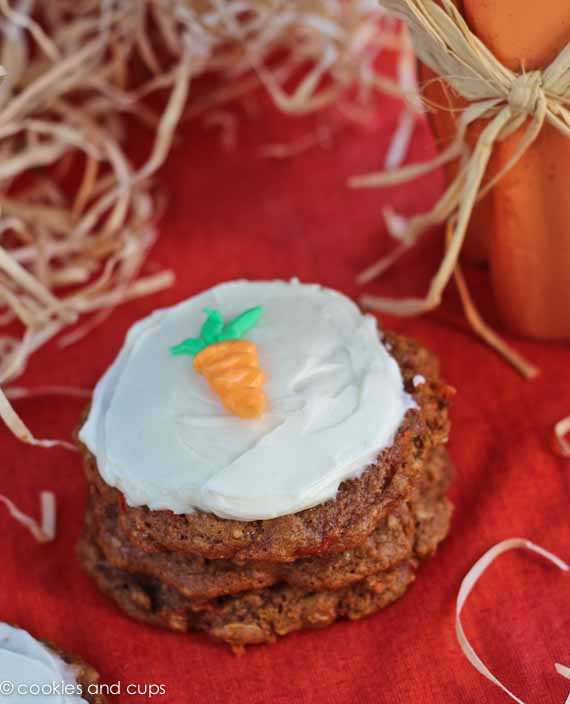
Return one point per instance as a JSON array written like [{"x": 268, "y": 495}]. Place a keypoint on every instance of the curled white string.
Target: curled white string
[
  {"x": 471, "y": 579},
  {"x": 45, "y": 530}
]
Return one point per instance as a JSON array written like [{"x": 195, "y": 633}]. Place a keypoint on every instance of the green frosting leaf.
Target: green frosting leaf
[
  {"x": 190, "y": 346},
  {"x": 213, "y": 330},
  {"x": 212, "y": 327},
  {"x": 242, "y": 324}
]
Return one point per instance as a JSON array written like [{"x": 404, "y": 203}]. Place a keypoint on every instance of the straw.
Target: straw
[{"x": 76, "y": 232}]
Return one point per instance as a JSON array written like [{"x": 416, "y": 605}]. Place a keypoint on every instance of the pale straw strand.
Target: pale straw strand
[
  {"x": 45, "y": 530},
  {"x": 469, "y": 582},
  {"x": 561, "y": 432}
]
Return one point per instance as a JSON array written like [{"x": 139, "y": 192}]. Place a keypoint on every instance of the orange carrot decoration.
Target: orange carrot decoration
[{"x": 229, "y": 363}]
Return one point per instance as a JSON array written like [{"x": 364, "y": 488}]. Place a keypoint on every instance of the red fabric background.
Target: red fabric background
[{"x": 232, "y": 214}]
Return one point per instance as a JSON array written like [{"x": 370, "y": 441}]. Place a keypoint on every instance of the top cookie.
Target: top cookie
[
  {"x": 331, "y": 399},
  {"x": 339, "y": 524}
]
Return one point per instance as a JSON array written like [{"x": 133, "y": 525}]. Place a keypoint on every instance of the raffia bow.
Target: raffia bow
[{"x": 508, "y": 100}]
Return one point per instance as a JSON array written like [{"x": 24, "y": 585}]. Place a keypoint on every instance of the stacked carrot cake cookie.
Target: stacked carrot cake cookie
[{"x": 261, "y": 459}]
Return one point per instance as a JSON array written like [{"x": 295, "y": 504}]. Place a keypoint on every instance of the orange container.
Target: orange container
[{"x": 523, "y": 225}]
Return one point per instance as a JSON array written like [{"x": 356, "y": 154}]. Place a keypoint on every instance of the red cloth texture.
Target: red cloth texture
[{"x": 232, "y": 214}]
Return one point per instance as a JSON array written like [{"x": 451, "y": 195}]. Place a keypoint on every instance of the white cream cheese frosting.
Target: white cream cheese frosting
[
  {"x": 335, "y": 400},
  {"x": 33, "y": 671}
]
